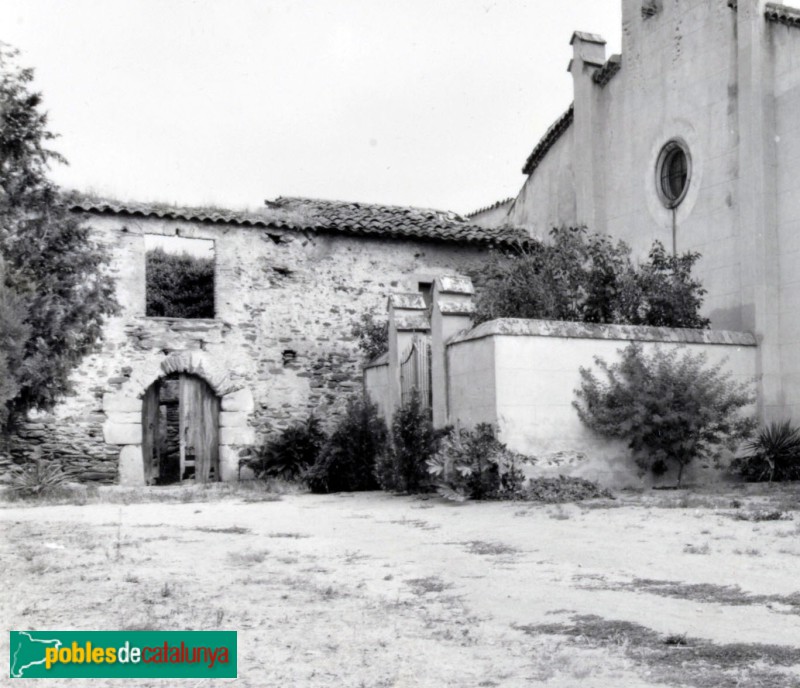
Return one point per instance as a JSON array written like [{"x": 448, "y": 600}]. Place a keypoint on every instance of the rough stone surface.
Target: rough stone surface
[{"x": 308, "y": 307}]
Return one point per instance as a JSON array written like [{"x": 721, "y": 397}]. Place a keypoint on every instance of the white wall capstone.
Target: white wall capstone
[
  {"x": 122, "y": 433},
  {"x": 232, "y": 419},
  {"x": 124, "y": 404},
  {"x": 240, "y": 400},
  {"x": 237, "y": 436},
  {"x": 131, "y": 466}
]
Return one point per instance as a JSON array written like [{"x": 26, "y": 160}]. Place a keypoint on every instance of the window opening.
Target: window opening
[{"x": 179, "y": 274}]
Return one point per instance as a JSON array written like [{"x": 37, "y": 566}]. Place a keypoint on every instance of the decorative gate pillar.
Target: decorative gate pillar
[
  {"x": 452, "y": 312},
  {"x": 407, "y": 317}
]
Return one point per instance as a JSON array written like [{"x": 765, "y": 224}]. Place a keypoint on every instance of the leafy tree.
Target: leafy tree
[
  {"x": 56, "y": 292},
  {"x": 669, "y": 406},
  {"x": 179, "y": 285},
  {"x": 584, "y": 277},
  {"x": 372, "y": 335}
]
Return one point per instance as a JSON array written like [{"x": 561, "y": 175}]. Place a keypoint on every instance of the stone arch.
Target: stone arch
[{"x": 123, "y": 425}]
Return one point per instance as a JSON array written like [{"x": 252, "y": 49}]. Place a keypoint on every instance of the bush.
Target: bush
[
  {"x": 585, "y": 277},
  {"x": 561, "y": 489},
  {"x": 347, "y": 461},
  {"x": 291, "y": 453},
  {"x": 475, "y": 465},
  {"x": 669, "y": 406},
  {"x": 774, "y": 454},
  {"x": 37, "y": 478},
  {"x": 403, "y": 467}
]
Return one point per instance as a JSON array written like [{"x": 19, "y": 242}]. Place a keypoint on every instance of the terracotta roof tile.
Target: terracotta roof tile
[
  {"x": 307, "y": 214},
  {"x": 548, "y": 140},
  {"x": 782, "y": 14}
]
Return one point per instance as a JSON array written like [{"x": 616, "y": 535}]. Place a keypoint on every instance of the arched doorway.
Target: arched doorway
[{"x": 180, "y": 431}]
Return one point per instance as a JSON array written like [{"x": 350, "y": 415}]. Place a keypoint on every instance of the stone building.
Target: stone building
[
  {"x": 691, "y": 137},
  {"x": 289, "y": 282}
]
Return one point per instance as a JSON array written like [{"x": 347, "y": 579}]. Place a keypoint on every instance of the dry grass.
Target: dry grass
[{"x": 676, "y": 659}]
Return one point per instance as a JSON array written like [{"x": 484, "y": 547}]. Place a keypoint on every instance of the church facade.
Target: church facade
[{"x": 690, "y": 137}]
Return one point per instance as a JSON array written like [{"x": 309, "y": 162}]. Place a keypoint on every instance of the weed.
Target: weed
[
  {"x": 758, "y": 516},
  {"x": 294, "y": 536},
  {"x": 166, "y": 590},
  {"x": 231, "y": 530},
  {"x": 431, "y": 584},
  {"x": 697, "y": 549},
  {"x": 248, "y": 558},
  {"x": 489, "y": 548}
]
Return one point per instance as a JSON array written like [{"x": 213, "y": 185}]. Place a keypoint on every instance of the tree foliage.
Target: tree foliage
[
  {"x": 347, "y": 461},
  {"x": 670, "y": 406},
  {"x": 403, "y": 467},
  {"x": 579, "y": 276},
  {"x": 372, "y": 334},
  {"x": 179, "y": 285},
  {"x": 55, "y": 294}
]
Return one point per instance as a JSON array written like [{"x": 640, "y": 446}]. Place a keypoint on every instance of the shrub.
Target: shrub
[
  {"x": 579, "y": 276},
  {"x": 372, "y": 335},
  {"x": 475, "y": 465},
  {"x": 291, "y": 453},
  {"x": 403, "y": 467},
  {"x": 670, "y": 406},
  {"x": 561, "y": 489},
  {"x": 37, "y": 478},
  {"x": 347, "y": 461},
  {"x": 774, "y": 454}
]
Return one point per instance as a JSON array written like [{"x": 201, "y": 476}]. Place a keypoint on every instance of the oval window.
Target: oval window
[{"x": 673, "y": 173}]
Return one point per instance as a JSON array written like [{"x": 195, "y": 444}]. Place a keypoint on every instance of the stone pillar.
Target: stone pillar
[
  {"x": 757, "y": 200},
  {"x": 451, "y": 313},
  {"x": 589, "y": 53},
  {"x": 407, "y": 317}
]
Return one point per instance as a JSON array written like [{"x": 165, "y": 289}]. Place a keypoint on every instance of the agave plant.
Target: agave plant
[
  {"x": 38, "y": 478},
  {"x": 774, "y": 454}
]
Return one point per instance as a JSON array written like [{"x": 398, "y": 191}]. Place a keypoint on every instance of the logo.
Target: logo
[{"x": 123, "y": 654}]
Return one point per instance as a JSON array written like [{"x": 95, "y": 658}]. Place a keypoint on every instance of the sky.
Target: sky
[{"x": 429, "y": 103}]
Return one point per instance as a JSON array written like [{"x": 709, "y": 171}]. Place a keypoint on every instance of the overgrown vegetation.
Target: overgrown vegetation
[
  {"x": 372, "y": 335},
  {"x": 774, "y": 454},
  {"x": 475, "y": 465},
  {"x": 670, "y": 406},
  {"x": 292, "y": 452},
  {"x": 579, "y": 276},
  {"x": 54, "y": 291},
  {"x": 347, "y": 461},
  {"x": 38, "y": 478},
  {"x": 179, "y": 285},
  {"x": 561, "y": 489},
  {"x": 403, "y": 466}
]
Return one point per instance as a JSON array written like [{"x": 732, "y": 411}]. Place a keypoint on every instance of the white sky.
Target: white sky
[{"x": 433, "y": 103}]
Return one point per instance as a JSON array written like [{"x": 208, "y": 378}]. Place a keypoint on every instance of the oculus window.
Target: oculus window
[
  {"x": 673, "y": 173},
  {"x": 179, "y": 275}
]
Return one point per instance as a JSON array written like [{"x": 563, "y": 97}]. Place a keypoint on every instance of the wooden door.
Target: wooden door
[
  {"x": 199, "y": 429},
  {"x": 150, "y": 433}
]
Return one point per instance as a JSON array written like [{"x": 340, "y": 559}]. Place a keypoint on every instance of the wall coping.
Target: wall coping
[{"x": 519, "y": 327}]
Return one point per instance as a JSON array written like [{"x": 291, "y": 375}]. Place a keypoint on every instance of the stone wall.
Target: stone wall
[{"x": 285, "y": 305}]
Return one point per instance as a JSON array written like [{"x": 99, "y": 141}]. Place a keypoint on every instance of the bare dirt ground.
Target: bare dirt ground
[{"x": 668, "y": 588}]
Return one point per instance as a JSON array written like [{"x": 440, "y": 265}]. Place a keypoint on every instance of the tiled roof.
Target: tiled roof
[
  {"x": 493, "y": 206},
  {"x": 306, "y": 214},
  {"x": 607, "y": 72},
  {"x": 782, "y": 14},
  {"x": 548, "y": 140}
]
